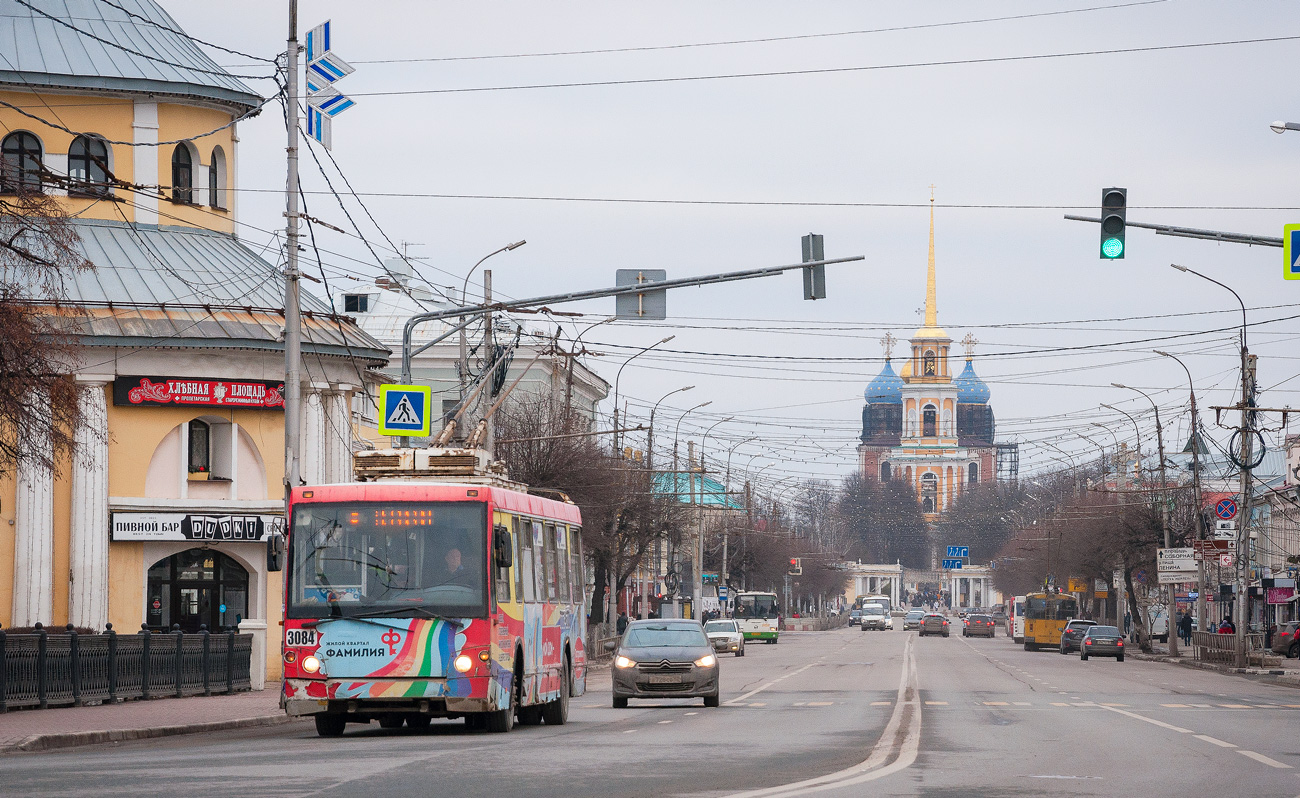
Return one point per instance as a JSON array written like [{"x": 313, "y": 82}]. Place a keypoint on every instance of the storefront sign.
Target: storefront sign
[
  {"x": 197, "y": 392},
  {"x": 1280, "y": 595},
  {"x": 180, "y": 526}
]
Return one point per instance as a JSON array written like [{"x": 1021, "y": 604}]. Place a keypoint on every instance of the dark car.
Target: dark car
[
  {"x": 978, "y": 625},
  {"x": 1286, "y": 640},
  {"x": 855, "y": 616},
  {"x": 912, "y": 620},
  {"x": 934, "y": 624},
  {"x": 1102, "y": 641},
  {"x": 1073, "y": 635},
  {"x": 667, "y": 658}
]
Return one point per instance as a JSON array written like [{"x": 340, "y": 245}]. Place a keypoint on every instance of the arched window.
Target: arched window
[
  {"x": 884, "y": 472},
  {"x": 929, "y": 492},
  {"x": 88, "y": 166},
  {"x": 200, "y": 450},
  {"x": 182, "y": 174},
  {"x": 973, "y": 473},
  {"x": 198, "y": 587},
  {"x": 20, "y": 169},
  {"x": 927, "y": 505},
  {"x": 929, "y": 424},
  {"x": 217, "y": 179},
  {"x": 931, "y": 366}
]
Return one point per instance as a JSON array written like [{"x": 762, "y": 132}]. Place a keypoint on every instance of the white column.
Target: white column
[
  {"x": 34, "y": 532},
  {"x": 314, "y": 434},
  {"x": 144, "y": 129},
  {"x": 88, "y": 546},
  {"x": 338, "y": 432}
]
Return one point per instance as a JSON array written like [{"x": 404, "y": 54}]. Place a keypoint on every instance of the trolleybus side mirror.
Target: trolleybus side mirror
[
  {"x": 502, "y": 551},
  {"x": 275, "y": 552}
]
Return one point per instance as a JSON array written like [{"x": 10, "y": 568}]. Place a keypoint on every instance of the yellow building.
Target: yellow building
[{"x": 158, "y": 515}]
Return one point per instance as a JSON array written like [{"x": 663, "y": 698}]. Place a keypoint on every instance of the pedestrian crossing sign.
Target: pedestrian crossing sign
[
  {"x": 1291, "y": 252},
  {"x": 404, "y": 410}
]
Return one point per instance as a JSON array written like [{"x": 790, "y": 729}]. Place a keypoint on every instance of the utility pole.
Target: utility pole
[
  {"x": 490, "y": 342},
  {"x": 1243, "y": 529},
  {"x": 292, "y": 310}
]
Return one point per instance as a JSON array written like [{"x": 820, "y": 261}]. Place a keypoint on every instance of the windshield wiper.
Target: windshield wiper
[{"x": 420, "y": 611}]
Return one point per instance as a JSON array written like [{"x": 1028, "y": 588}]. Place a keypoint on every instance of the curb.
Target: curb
[
  {"x": 1278, "y": 676},
  {"x": 50, "y": 742}
]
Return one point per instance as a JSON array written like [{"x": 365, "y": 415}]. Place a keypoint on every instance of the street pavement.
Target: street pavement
[{"x": 840, "y": 713}]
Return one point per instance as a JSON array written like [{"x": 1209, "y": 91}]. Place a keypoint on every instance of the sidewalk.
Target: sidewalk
[
  {"x": 1287, "y": 673},
  {"x": 65, "y": 727}
]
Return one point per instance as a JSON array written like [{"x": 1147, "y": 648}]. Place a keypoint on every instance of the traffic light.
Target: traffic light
[
  {"x": 796, "y": 567},
  {"x": 814, "y": 277},
  {"x": 1114, "y": 208}
]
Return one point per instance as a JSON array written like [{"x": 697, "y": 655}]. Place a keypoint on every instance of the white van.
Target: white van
[{"x": 1016, "y": 619}]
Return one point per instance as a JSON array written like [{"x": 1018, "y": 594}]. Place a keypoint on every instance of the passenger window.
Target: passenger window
[
  {"x": 503, "y": 574},
  {"x": 526, "y": 560},
  {"x": 578, "y": 583},
  {"x": 549, "y": 537},
  {"x": 516, "y": 541},
  {"x": 562, "y": 562},
  {"x": 539, "y": 565}
]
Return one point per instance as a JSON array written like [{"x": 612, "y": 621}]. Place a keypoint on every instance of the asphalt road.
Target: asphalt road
[{"x": 843, "y": 713}]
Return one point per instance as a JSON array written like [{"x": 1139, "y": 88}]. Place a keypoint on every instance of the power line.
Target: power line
[{"x": 182, "y": 33}]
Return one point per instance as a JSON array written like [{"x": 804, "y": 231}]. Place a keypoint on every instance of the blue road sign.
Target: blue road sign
[
  {"x": 722, "y": 592},
  {"x": 959, "y": 551},
  {"x": 952, "y": 565},
  {"x": 404, "y": 410},
  {"x": 1226, "y": 509},
  {"x": 1291, "y": 252}
]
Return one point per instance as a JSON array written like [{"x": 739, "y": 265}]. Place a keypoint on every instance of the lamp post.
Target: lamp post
[
  {"x": 1137, "y": 432},
  {"x": 1196, "y": 487},
  {"x": 699, "y": 526},
  {"x": 1101, "y": 449},
  {"x": 1164, "y": 515},
  {"x": 650, "y": 434},
  {"x": 726, "y": 486},
  {"x": 650, "y": 466},
  {"x": 1246, "y": 431},
  {"x": 677, "y": 431},
  {"x": 619, "y": 374},
  {"x": 464, "y": 343},
  {"x": 568, "y": 377}
]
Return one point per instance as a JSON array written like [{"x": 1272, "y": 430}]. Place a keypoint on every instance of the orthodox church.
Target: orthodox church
[{"x": 924, "y": 425}]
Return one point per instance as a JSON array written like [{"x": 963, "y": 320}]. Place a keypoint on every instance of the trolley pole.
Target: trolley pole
[{"x": 292, "y": 310}]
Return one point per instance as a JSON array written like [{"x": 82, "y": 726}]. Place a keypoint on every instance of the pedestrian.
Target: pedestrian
[
  {"x": 621, "y": 625},
  {"x": 1185, "y": 628}
]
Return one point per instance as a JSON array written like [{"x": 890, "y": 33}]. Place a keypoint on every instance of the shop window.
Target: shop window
[
  {"x": 196, "y": 587},
  {"x": 217, "y": 179},
  {"x": 20, "y": 168},
  {"x": 182, "y": 174},
  {"x": 88, "y": 167}
]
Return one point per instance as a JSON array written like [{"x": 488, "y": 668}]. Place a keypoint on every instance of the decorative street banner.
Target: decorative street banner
[
  {"x": 197, "y": 392},
  {"x": 181, "y": 526}
]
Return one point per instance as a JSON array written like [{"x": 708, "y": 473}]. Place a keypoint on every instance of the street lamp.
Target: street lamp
[
  {"x": 650, "y": 435},
  {"x": 577, "y": 347},
  {"x": 705, "y": 439},
  {"x": 1196, "y": 486},
  {"x": 677, "y": 431},
  {"x": 620, "y": 374},
  {"x": 464, "y": 343},
  {"x": 1164, "y": 516},
  {"x": 699, "y": 525},
  {"x": 1101, "y": 449},
  {"x": 1282, "y": 127}
]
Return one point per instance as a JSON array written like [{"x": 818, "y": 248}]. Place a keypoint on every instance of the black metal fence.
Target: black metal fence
[{"x": 64, "y": 668}]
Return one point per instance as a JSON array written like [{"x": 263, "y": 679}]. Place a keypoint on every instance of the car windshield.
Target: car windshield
[
  {"x": 872, "y": 610},
  {"x": 1102, "y": 631},
  {"x": 981, "y": 618},
  {"x": 720, "y": 626},
  {"x": 357, "y": 558},
  {"x": 665, "y": 636}
]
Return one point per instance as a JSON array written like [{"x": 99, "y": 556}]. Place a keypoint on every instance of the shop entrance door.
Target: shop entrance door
[{"x": 196, "y": 587}]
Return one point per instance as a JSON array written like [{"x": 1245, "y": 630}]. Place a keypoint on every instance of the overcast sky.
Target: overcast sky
[{"x": 1185, "y": 130}]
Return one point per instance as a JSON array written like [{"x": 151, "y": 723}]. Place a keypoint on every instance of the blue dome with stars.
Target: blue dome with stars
[
  {"x": 971, "y": 389},
  {"x": 886, "y": 388}
]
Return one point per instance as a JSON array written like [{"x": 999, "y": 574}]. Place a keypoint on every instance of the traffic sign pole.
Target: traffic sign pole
[{"x": 292, "y": 311}]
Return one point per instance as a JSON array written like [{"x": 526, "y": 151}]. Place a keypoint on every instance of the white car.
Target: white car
[{"x": 725, "y": 635}]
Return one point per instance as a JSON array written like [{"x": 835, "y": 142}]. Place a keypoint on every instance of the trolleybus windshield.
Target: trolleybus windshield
[
  {"x": 756, "y": 606},
  {"x": 360, "y": 558}
]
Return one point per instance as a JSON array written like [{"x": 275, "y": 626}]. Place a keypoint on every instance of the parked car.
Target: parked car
[
  {"x": 875, "y": 617},
  {"x": 1286, "y": 640},
  {"x": 1102, "y": 641},
  {"x": 1072, "y": 636},
  {"x": 855, "y": 617},
  {"x": 665, "y": 658},
  {"x": 978, "y": 625},
  {"x": 934, "y": 624},
  {"x": 912, "y": 620},
  {"x": 725, "y": 635}
]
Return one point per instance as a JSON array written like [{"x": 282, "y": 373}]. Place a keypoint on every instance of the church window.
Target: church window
[
  {"x": 973, "y": 473},
  {"x": 20, "y": 169},
  {"x": 929, "y": 492},
  {"x": 884, "y": 472},
  {"x": 928, "y": 423},
  {"x": 931, "y": 364},
  {"x": 182, "y": 174},
  {"x": 88, "y": 166}
]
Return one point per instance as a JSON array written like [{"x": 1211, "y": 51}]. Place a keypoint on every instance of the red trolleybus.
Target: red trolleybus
[{"x": 409, "y": 600}]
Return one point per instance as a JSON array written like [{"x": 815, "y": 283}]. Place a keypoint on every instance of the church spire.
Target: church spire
[{"x": 931, "y": 299}]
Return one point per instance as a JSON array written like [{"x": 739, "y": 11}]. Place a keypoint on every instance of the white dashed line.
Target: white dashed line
[
  {"x": 1214, "y": 741},
  {"x": 1273, "y": 763}
]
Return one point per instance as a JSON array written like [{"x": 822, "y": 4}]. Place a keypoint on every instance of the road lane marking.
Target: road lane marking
[
  {"x": 1214, "y": 741},
  {"x": 757, "y": 704},
  {"x": 629, "y": 731},
  {"x": 800, "y": 704},
  {"x": 758, "y": 690},
  {"x": 995, "y": 703},
  {"x": 1059, "y": 704},
  {"x": 881, "y": 703},
  {"x": 1175, "y": 706},
  {"x": 664, "y": 721},
  {"x": 1273, "y": 763},
  {"x": 1152, "y": 721},
  {"x": 936, "y": 703},
  {"x": 688, "y": 714},
  {"x": 1201, "y": 706},
  {"x": 820, "y": 703},
  {"x": 1022, "y": 703},
  {"x": 1083, "y": 704},
  {"x": 1235, "y": 706},
  {"x": 1114, "y": 705}
]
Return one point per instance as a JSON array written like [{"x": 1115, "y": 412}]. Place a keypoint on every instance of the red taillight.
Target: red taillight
[
  {"x": 945, "y": 623},
  {"x": 1120, "y": 643},
  {"x": 1089, "y": 642}
]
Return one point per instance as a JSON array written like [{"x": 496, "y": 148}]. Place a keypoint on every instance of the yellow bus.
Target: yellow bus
[{"x": 1045, "y": 617}]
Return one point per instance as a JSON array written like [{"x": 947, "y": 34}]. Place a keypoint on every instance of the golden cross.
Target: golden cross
[
  {"x": 969, "y": 342},
  {"x": 888, "y": 342}
]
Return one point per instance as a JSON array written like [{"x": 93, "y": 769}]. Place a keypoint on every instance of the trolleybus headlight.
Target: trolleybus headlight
[
  {"x": 464, "y": 663},
  {"x": 623, "y": 662},
  {"x": 310, "y": 664},
  {"x": 707, "y": 661}
]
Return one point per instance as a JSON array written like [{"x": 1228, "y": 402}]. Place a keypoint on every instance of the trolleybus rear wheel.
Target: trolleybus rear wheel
[{"x": 556, "y": 713}]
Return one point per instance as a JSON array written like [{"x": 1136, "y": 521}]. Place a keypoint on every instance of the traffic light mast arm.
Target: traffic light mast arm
[{"x": 1192, "y": 232}]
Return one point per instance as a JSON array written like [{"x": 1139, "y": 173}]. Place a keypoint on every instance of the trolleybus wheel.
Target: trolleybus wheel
[
  {"x": 329, "y": 725},
  {"x": 503, "y": 720},
  {"x": 556, "y": 713}
]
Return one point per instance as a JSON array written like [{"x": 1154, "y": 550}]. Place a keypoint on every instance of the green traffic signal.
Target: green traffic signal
[
  {"x": 1114, "y": 209},
  {"x": 1112, "y": 248}
]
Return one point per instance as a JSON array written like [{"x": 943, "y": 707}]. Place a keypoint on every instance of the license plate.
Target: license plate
[{"x": 665, "y": 678}]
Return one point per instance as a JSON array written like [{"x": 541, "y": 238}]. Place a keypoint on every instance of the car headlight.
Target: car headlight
[
  {"x": 310, "y": 664},
  {"x": 463, "y": 663},
  {"x": 623, "y": 662},
  {"x": 707, "y": 661}
]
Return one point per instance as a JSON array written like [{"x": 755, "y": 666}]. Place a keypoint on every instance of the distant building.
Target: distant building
[{"x": 923, "y": 425}]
